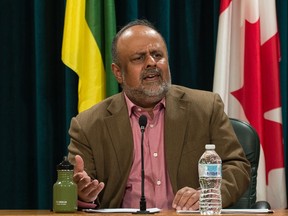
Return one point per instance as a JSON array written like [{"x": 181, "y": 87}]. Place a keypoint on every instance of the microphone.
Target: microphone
[{"x": 142, "y": 124}]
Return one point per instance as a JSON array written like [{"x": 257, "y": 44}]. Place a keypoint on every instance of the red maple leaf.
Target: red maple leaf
[{"x": 260, "y": 93}]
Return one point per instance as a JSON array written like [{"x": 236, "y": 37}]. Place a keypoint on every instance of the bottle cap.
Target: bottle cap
[
  {"x": 65, "y": 165},
  {"x": 210, "y": 146}
]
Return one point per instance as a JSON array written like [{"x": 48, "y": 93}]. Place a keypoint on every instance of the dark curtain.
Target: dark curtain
[
  {"x": 282, "y": 8},
  {"x": 190, "y": 30},
  {"x": 38, "y": 98},
  {"x": 39, "y": 93}
]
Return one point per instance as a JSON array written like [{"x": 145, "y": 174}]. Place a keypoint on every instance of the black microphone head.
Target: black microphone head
[{"x": 143, "y": 121}]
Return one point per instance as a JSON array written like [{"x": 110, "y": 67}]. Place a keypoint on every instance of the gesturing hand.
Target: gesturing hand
[
  {"x": 87, "y": 190},
  {"x": 186, "y": 199}
]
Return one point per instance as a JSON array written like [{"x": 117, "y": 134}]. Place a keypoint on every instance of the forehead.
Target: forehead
[{"x": 140, "y": 37}]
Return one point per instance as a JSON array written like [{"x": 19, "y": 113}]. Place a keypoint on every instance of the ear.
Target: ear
[{"x": 117, "y": 73}]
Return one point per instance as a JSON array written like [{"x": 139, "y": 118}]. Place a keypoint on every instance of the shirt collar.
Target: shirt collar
[{"x": 131, "y": 106}]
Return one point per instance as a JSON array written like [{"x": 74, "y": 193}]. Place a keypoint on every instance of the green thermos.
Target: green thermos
[{"x": 65, "y": 190}]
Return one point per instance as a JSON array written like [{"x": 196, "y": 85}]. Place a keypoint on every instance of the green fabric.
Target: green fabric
[
  {"x": 39, "y": 94},
  {"x": 100, "y": 17}
]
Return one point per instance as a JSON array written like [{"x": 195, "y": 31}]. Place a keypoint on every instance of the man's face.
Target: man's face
[{"x": 143, "y": 59}]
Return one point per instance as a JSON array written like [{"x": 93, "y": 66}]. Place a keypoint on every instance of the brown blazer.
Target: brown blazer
[{"x": 102, "y": 135}]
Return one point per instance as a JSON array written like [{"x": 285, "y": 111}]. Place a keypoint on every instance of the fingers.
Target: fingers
[
  {"x": 94, "y": 190},
  {"x": 79, "y": 164},
  {"x": 186, "y": 199},
  {"x": 82, "y": 180},
  {"x": 90, "y": 191}
]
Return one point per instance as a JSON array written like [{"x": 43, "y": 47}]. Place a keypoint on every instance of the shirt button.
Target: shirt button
[
  {"x": 158, "y": 182},
  {"x": 155, "y": 154},
  {"x": 139, "y": 109},
  {"x": 151, "y": 125}
]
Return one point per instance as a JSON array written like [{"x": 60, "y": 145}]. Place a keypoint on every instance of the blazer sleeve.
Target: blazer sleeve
[
  {"x": 194, "y": 118},
  {"x": 235, "y": 166}
]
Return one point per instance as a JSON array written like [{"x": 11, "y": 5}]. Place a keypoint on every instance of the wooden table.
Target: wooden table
[{"x": 168, "y": 213}]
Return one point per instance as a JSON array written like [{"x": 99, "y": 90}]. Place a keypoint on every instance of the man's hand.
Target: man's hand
[
  {"x": 186, "y": 199},
  {"x": 87, "y": 190}
]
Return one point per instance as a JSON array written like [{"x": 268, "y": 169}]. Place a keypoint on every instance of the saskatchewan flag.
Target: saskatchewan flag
[{"x": 89, "y": 28}]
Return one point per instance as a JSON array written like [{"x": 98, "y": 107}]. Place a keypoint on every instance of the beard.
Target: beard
[{"x": 147, "y": 93}]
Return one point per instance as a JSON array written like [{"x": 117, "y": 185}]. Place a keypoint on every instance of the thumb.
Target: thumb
[{"x": 79, "y": 164}]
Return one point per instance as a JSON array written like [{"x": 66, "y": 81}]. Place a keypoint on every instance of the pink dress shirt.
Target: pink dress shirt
[{"x": 158, "y": 189}]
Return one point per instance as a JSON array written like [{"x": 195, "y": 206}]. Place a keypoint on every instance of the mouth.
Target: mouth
[{"x": 151, "y": 77}]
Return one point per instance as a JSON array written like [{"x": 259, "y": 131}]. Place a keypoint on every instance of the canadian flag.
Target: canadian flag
[{"x": 247, "y": 78}]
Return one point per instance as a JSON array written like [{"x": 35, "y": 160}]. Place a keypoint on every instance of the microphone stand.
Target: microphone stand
[{"x": 143, "y": 209}]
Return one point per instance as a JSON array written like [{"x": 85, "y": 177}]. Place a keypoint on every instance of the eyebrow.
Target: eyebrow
[{"x": 149, "y": 51}]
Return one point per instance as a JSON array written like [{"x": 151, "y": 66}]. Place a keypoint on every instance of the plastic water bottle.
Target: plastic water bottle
[{"x": 210, "y": 177}]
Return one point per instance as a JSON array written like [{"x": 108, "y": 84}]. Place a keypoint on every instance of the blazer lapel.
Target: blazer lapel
[
  {"x": 119, "y": 129},
  {"x": 175, "y": 128}
]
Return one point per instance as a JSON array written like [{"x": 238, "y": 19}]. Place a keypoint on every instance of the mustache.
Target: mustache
[{"x": 150, "y": 71}]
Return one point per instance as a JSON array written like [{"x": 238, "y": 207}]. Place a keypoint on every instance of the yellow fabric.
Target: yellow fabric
[{"x": 80, "y": 52}]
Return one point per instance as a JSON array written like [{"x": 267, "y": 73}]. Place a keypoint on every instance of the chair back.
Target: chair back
[{"x": 249, "y": 140}]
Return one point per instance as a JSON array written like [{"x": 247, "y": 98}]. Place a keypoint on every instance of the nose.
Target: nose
[{"x": 150, "y": 62}]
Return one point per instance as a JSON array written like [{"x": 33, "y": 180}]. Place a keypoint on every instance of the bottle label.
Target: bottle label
[{"x": 210, "y": 170}]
